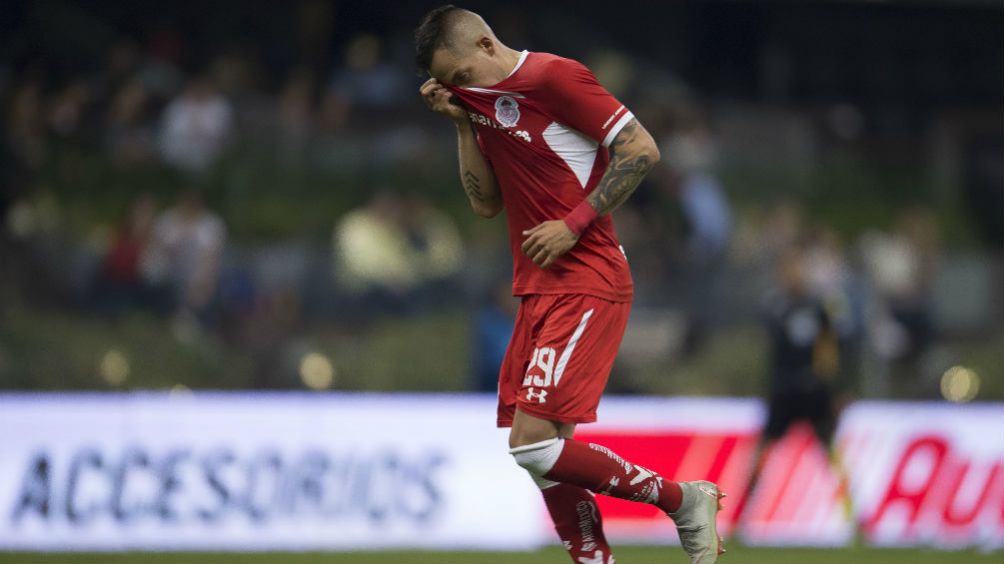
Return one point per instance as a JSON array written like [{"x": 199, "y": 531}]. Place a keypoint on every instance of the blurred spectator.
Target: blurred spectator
[
  {"x": 196, "y": 127},
  {"x": 120, "y": 283},
  {"x": 366, "y": 82},
  {"x": 396, "y": 253},
  {"x": 437, "y": 248},
  {"x": 785, "y": 225},
  {"x": 155, "y": 68},
  {"x": 295, "y": 115},
  {"x": 830, "y": 278},
  {"x": 708, "y": 217},
  {"x": 615, "y": 70},
  {"x": 121, "y": 61},
  {"x": 68, "y": 107},
  {"x": 79, "y": 135},
  {"x": 234, "y": 74},
  {"x": 25, "y": 129},
  {"x": 691, "y": 156},
  {"x": 238, "y": 76},
  {"x": 185, "y": 254},
  {"x": 264, "y": 331},
  {"x": 130, "y": 134},
  {"x": 10, "y": 181},
  {"x": 827, "y": 271},
  {"x": 901, "y": 265},
  {"x": 492, "y": 331}
]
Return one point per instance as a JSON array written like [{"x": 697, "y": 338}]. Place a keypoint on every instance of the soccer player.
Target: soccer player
[{"x": 538, "y": 136}]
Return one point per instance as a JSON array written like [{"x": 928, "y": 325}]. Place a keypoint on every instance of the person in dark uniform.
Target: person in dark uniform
[
  {"x": 804, "y": 365},
  {"x": 804, "y": 354}
]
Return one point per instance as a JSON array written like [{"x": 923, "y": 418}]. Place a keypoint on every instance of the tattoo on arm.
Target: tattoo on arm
[
  {"x": 472, "y": 185},
  {"x": 626, "y": 169}
]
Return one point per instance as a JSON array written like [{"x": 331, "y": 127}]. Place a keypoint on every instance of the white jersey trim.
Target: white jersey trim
[
  {"x": 519, "y": 63},
  {"x": 617, "y": 128},
  {"x": 570, "y": 347},
  {"x": 577, "y": 150},
  {"x": 491, "y": 91},
  {"x": 612, "y": 116}
]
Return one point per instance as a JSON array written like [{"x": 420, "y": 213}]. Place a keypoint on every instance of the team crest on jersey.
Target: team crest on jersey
[{"x": 507, "y": 111}]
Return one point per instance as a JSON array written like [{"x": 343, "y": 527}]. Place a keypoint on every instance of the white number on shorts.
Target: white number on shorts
[{"x": 543, "y": 358}]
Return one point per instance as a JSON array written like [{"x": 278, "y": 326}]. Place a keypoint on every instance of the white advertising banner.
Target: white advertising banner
[
  {"x": 266, "y": 471},
  {"x": 275, "y": 471}
]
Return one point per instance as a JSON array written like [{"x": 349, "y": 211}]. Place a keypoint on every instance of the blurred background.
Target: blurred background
[
  {"x": 246, "y": 195},
  {"x": 251, "y": 195}
]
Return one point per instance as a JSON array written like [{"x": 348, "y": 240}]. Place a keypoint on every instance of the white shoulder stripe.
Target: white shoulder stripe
[{"x": 617, "y": 128}]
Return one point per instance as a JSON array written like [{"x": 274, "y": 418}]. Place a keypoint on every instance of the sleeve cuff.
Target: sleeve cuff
[{"x": 617, "y": 128}]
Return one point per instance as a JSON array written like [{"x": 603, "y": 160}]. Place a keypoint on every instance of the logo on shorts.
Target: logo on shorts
[
  {"x": 507, "y": 111},
  {"x": 540, "y": 396}
]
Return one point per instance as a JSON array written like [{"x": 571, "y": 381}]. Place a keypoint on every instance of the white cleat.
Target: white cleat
[{"x": 696, "y": 521}]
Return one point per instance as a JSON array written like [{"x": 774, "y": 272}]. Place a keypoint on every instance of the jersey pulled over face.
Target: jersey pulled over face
[{"x": 544, "y": 130}]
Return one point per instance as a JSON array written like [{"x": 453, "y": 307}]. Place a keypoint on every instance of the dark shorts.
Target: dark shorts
[{"x": 812, "y": 405}]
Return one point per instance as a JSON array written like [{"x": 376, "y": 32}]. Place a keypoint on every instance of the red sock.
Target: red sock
[
  {"x": 600, "y": 470},
  {"x": 578, "y": 522}
]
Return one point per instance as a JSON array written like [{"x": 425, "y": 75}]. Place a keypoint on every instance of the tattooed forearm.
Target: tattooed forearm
[
  {"x": 631, "y": 158},
  {"x": 472, "y": 185},
  {"x": 476, "y": 174}
]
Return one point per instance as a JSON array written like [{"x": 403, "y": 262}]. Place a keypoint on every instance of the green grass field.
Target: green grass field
[{"x": 634, "y": 555}]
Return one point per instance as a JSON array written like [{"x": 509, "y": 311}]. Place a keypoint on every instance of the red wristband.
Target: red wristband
[{"x": 581, "y": 217}]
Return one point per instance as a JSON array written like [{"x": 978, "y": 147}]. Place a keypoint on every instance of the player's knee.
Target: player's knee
[
  {"x": 531, "y": 430},
  {"x": 538, "y": 458},
  {"x": 521, "y": 436}
]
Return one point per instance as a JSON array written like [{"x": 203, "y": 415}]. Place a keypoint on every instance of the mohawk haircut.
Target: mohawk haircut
[{"x": 432, "y": 34}]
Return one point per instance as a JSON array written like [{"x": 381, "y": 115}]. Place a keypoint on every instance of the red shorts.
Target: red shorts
[{"x": 558, "y": 361}]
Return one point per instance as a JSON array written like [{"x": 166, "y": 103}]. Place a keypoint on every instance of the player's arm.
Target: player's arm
[
  {"x": 633, "y": 153},
  {"x": 575, "y": 98},
  {"x": 476, "y": 174}
]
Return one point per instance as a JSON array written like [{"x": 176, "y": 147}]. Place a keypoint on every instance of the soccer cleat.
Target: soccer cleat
[{"x": 696, "y": 521}]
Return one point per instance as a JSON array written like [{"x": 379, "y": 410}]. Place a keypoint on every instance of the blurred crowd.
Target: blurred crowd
[
  {"x": 397, "y": 252},
  {"x": 147, "y": 113}
]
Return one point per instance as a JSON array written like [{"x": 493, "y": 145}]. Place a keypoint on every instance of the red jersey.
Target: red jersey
[{"x": 544, "y": 130}]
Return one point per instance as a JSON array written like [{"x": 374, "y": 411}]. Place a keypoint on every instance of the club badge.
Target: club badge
[{"x": 506, "y": 111}]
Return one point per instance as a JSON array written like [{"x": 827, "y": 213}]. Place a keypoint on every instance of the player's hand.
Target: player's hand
[
  {"x": 442, "y": 101},
  {"x": 548, "y": 241}
]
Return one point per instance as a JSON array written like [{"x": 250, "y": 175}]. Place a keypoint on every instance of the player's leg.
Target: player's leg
[
  {"x": 578, "y": 522},
  {"x": 537, "y": 446},
  {"x": 573, "y": 509},
  {"x": 740, "y": 516},
  {"x": 573, "y": 355},
  {"x": 692, "y": 505},
  {"x": 823, "y": 418},
  {"x": 573, "y": 352},
  {"x": 780, "y": 414},
  {"x": 576, "y": 517}
]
